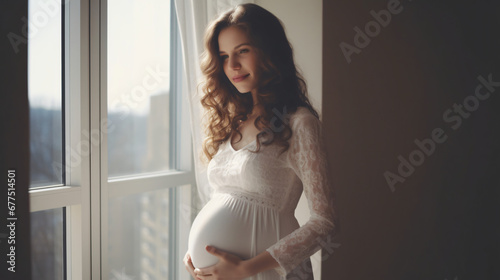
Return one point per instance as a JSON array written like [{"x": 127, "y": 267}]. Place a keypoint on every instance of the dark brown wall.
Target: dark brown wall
[
  {"x": 14, "y": 143},
  {"x": 443, "y": 221}
]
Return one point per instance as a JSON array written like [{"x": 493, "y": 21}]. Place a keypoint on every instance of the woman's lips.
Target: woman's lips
[{"x": 240, "y": 78}]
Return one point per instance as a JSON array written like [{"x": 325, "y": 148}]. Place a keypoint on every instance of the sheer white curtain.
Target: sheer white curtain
[{"x": 193, "y": 17}]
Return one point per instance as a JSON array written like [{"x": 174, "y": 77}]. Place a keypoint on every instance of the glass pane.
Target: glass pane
[
  {"x": 47, "y": 244},
  {"x": 138, "y": 86},
  {"x": 138, "y": 236},
  {"x": 45, "y": 92}
]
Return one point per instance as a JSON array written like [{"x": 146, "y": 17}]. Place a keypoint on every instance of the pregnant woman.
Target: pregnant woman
[{"x": 264, "y": 146}]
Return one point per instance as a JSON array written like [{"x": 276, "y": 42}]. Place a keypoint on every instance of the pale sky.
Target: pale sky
[{"x": 44, "y": 57}]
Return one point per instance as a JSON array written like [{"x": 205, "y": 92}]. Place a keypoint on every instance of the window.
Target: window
[
  {"x": 46, "y": 130},
  {"x": 139, "y": 92},
  {"x": 45, "y": 94},
  {"x": 111, "y": 170}
]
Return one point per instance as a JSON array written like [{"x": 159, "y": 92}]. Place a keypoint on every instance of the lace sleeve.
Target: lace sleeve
[{"x": 307, "y": 157}]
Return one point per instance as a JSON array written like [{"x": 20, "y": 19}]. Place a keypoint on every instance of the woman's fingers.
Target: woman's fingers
[
  {"x": 187, "y": 262},
  {"x": 204, "y": 274},
  {"x": 216, "y": 252},
  {"x": 190, "y": 263},
  {"x": 190, "y": 267}
]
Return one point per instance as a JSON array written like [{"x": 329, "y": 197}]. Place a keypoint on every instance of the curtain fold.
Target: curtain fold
[{"x": 193, "y": 17}]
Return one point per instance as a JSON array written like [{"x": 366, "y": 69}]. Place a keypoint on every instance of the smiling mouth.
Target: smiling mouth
[{"x": 240, "y": 78}]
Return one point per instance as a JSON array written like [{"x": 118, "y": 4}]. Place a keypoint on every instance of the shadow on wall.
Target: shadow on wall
[{"x": 410, "y": 101}]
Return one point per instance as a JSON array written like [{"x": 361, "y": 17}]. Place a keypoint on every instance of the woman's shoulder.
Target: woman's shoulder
[
  {"x": 302, "y": 116},
  {"x": 306, "y": 129}
]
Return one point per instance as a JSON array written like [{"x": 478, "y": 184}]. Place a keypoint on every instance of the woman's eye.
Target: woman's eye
[
  {"x": 244, "y": 50},
  {"x": 223, "y": 57}
]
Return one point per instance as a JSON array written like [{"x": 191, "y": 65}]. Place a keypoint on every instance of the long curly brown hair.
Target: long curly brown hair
[{"x": 281, "y": 90}]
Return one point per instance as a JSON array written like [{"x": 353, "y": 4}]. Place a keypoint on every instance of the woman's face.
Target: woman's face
[{"x": 239, "y": 59}]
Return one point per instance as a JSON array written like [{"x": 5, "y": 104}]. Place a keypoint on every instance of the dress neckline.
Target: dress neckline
[
  {"x": 234, "y": 150},
  {"x": 242, "y": 148}
]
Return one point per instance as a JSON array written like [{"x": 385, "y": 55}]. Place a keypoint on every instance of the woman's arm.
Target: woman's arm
[{"x": 307, "y": 157}]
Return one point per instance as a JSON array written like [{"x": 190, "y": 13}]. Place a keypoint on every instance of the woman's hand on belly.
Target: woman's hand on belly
[
  {"x": 189, "y": 266},
  {"x": 229, "y": 267}
]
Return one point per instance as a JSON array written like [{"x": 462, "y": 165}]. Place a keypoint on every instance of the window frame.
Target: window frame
[{"x": 87, "y": 189}]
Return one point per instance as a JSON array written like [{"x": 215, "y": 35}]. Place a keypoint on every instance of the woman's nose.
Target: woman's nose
[{"x": 234, "y": 63}]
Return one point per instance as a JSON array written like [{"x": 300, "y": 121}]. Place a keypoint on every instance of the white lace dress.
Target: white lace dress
[{"x": 252, "y": 208}]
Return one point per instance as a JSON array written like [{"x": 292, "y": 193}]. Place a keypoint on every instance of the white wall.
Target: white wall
[{"x": 303, "y": 24}]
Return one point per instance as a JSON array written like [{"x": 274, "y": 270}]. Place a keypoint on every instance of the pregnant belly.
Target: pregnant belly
[{"x": 233, "y": 225}]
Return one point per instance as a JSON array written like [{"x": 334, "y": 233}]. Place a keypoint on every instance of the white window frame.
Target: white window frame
[{"x": 87, "y": 190}]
